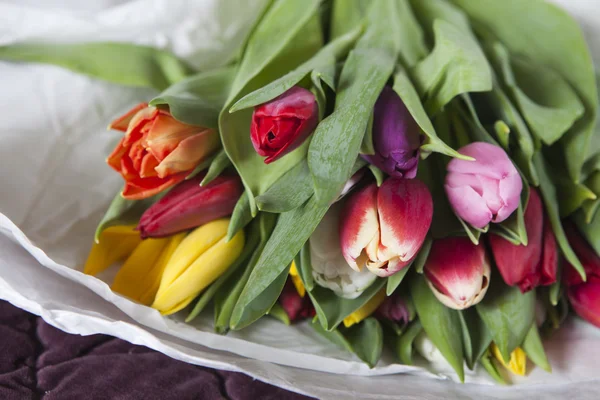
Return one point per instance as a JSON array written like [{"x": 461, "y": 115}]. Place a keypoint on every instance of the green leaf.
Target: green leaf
[
  {"x": 123, "y": 212},
  {"x": 487, "y": 361},
  {"x": 591, "y": 231},
  {"x": 288, "y": 35},
  {"x": 502, "y": 133},
  {"x": 476, "y": 337},
  {"x": 412, "y": 39},
  {"x": 255, "y": 238},
  {"x": 549, "y": 196},
  {"x": 204, "y": 164},
  {"x": 533, "y": 347},
  {"x": 346, "y": 14},
  {"x": 441, "y": 324},
  {"x": 323, "y": 64},
  {"x": 291, "y": 232},
  {"x": 395, "y": 280},
  {"x": 304, "y": 266},
  {"x": 332, "y": 309},
  {"x": 367, "y": 146},
  {"x": 279, "y": 313},
  {"x": 507, "y": 313},
  {"x": 377, "y": 174},
  {"x": 122, "y": 63},
  {"x": 555, "y": 292},
  {"x": 404, "y": 343},
  {"x": 290, "y": 191},
  {"x": 217, "y": 166},
  {"x": 338, "y": 138},
  {"x": 405, "y": 89},
  {"x": 537, "y": 38},
  {"x": 456, "y": 65},
  {"x": 421, "y": 258},
  {"x": 198, "y": 99},
  {"x": 241, "y": 216}
]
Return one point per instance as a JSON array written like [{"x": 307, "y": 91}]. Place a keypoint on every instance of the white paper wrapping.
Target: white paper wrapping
[{"x": 55, "y": 187}]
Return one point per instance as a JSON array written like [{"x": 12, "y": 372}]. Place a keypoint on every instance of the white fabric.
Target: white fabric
[{"x": 55, "y": 187}]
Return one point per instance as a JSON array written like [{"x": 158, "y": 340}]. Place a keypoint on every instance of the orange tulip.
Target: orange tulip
[{"x": 157, "y": 151}]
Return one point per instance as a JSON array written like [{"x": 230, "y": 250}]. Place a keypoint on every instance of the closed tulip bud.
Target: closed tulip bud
[
  {"x": 535, "y": 264},
  {"x": 396, "y": 308},
  {"x": 189, "y": 205},
  {"x": 384, "y": 228},
  {"x": 517, "y": 363},
  {"x": 116, "y": 244},
  {"x": 395, "y": 137},
  {"x": 458, "y": 272},
  {"x": 329, "y": 268},
  {"x": 284, "y": 123},
  {"x": 203, "y": 256},
  {"x": 584, "y": 296},
  {"x": 295, "y": 306},
  {"x": 157, "y": 151},
  {"x": 485, "y": 190}
]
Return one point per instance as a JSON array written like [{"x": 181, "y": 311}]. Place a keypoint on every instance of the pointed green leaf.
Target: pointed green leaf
[
  {"x": 404, "y": 344},
  {"x": 290, "y": 191},
  {"x": 366, "y": 340},
  {"x": 217, "y": 166},
  {"x": 421, "y": 258},
  {"x": 476, "y": 337},
  {"x": 533, "y": 347},
  {"x": 395, "y": 280},
  {"x": 487, "y": 361},
  {"x": 241, "y": 216},
  {"x": 279, "y": 313}
]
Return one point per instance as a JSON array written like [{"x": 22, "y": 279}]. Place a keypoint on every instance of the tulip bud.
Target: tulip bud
[
  {"x": 532, "y": 265},
  {"x": 395, "y": 137},
  {"x": 396, "y": 308},
  {"x": 484, "y": 190},
  {"x": 203, "y": 256},
  {"x": 157, "y": 151},
  {"x": 458, "y": 272},
  {"x": 282, "y": 124},
  {"x": 585, "y": 299},
  {"x": 517, "y": 363},
  {"x": 190, "y": 205},
  {"x": 384, "y": 228},
  {"x": 295, "y": 306},
  {"x": 116, "y": 244},
  {"x": 329, "y": 268}
]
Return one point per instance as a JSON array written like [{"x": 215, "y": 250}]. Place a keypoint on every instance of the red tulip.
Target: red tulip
[
  {"x": 157, "y": 151},
  {"x": 295, "y": 307},
  {"x": 384, "y": 228},
  {"x": 458, "y": 272},
  {"x": 282, "y": 124},
  {"x": 190, "y": 205},
  {"x": 585, "y": 299},
  {"x": 586, "y": 255},
  {"x": 535, "y": 264}
]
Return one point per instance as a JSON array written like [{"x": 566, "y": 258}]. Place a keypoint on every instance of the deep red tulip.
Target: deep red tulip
[{"x": 295, "y": 307}]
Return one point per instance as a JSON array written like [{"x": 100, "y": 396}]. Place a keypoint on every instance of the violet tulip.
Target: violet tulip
[
  {"x": 584, "y": 296},
  {"x": 535, "y": 264},
  {"x": 282, "y": 124},
  {"x": 189, "y": 205},
  {"x": 384, "y": 228},
  {"x": 458, "y": 272},
  {"x": 396, "y": 308},
  {"x": 395, "y": 137},
  {"x": 485, "y": 190},
  {"x": 295, "y": 306}
]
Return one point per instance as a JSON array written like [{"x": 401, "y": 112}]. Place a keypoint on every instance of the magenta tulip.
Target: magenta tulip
[
  {"x": 384, "y": 228},
  {"x": 189, "y": 205},
  {"x": 535, "y": 264},
  {"x": 458, "y": 272},
  {"x": 396, "y": 137},
  {"x": 485, "y": 190},
  {"x": 284, "y": 123}
]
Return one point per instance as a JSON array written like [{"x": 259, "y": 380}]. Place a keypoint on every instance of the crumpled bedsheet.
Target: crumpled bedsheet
[{"x": 38, "y": 361}]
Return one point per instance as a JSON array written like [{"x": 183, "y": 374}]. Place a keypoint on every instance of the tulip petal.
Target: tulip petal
[
  {"x": 585, "y": 299},
  {"x": 135, "y": 129},
  {"x": 469, "y": 205},
  {"x": 296, "y": 280},
  {"x": 359, "y": 225},
  {"x": 166, "y": 133},
  {"x": 188, "y": 153},
  {"x": 115, "y": 244},
  {"x": 490, "y": 161},
  {"x": 549, "y": 262},
  {"x": 142, "y": 188},
  {"x": 191, "y": 248},
  {"x": 510, "y": 191},
  {"x": 517, "y": 363},
  {"x": 122, "y": 122},
  {"x": 139, "y": 263},
  {"x": 457, "y": 272},
  {"x": 366, "y": 310},
  {"x": 203, "y": 271},
  {"x": 405, "y": 212}
]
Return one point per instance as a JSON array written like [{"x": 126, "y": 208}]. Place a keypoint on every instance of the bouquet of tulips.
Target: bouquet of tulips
[{"x": 402, "y": 174}]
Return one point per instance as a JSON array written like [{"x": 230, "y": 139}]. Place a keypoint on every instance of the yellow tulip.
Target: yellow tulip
[
  {"x": 296, "y": 280},
  {"x": 116, "y": 243},
  {"x": 197, "y": 262},
  {"x": 366, "y": 310},
  {"x": 517, "y": 363},
  {"x": 140, "y": 275}
]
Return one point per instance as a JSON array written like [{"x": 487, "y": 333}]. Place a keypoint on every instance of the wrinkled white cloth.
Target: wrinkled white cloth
[{"x": 55, "y": 186}]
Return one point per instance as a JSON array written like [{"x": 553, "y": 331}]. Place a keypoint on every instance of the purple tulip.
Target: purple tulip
[
  {"x": 485, "y": 190},
  {"x": 396, "y": 308},
  {"x": 395, "y": 137}
]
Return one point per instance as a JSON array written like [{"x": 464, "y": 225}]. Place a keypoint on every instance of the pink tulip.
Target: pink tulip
[
  {"x": 189, "y": 205},
  {"x": 384, "y": 228},
  {"x": 485, "y": 190},
  {"x": 458, "y": 272},
  {"x": 532, "y": 265}
]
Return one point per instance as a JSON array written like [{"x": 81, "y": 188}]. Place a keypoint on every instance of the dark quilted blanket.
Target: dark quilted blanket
[{"x": 38, "y": 361}]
